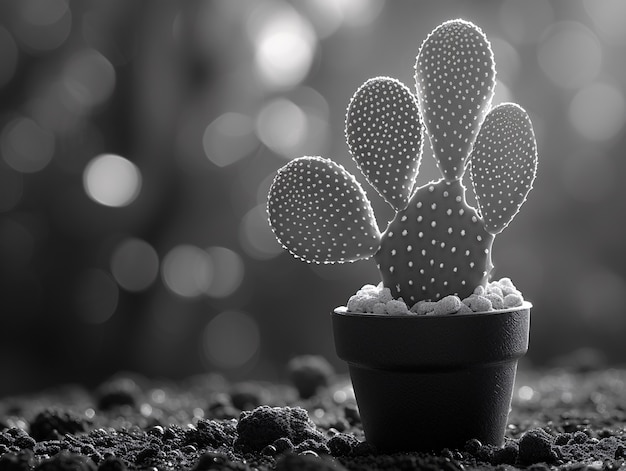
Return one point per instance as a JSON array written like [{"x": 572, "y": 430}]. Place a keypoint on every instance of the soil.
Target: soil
[{"x": 565, "y": 418}]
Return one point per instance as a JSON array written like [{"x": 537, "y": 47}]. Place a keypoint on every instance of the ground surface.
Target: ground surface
[{"x": 565, "y": 418}]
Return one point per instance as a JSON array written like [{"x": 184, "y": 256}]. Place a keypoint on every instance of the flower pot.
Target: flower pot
[{"x": 430, "y": 382}]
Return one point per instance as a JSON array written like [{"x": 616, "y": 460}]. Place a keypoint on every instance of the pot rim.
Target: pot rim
[
  {"x": 414, "y": 342},
  {"x": 343, "y": 311}
]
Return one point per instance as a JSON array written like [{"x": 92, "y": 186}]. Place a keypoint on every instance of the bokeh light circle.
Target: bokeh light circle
[
  {"x": 229, "y": 138},
  {"x": 228, "y": 269},
  {"x": 570, "y": 54},
  {"x": 112, "y": 180},
  {"x": 88, "y": 79},
  {"x": 231, "y": 340},
  {"x": 282, "y": 126},
  {"x": 187, "y": 271},
  {"x": 42, "y": 12},
  {"x": 134, "y": 264},
  {"x": 25, "y": 146},
  {"x": 256, "y": 237},
  {"x": 328, "y": 16},
  {"x": 96, "y": 296},
  {"x": 42, "y": 25},
  {"x": 285, "y": 44},
  {"x": 598, "y": 111},
  {"x": 325, "y": 15}
]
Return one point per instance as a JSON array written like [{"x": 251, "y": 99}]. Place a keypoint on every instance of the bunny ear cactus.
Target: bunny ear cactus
[{"x": 437, "y": 244}]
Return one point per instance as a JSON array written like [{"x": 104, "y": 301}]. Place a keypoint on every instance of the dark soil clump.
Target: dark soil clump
[
  {"x": 53, "y": 424},
  {"x": 309, "y": 374},
  {"x": 264, "y": 425},
  {"x": 535, "y": 446}
]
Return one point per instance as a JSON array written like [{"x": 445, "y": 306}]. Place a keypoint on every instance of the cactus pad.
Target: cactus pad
[
  {"x": 320, "y": 213},
  {"x": 437, "y": 246},
  {"x": 455, "y": 79},
  {"x": 384, "y": 135},
  {"x": 504, "y": 164}
]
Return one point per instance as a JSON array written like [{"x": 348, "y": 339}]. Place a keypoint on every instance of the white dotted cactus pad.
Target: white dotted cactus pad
[
  {"x": 435, "y": 247},
  {"x": 455, "y": 79},
  {"x": 320, "y": 213},
  {"x": 385, "y": 137},
  {"x": 503, "y": 165}
]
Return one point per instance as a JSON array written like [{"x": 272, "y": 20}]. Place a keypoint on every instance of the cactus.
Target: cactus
[{"x": 436, "y": 245}]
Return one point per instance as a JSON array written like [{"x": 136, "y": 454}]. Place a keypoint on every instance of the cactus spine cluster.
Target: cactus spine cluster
[{"x": 437, "y": 244}]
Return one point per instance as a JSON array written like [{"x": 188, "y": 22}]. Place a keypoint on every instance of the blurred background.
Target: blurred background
[{"x": 138, "y": 141}]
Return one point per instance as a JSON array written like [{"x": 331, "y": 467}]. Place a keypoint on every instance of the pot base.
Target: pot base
[{"x": 431, "y": 411}]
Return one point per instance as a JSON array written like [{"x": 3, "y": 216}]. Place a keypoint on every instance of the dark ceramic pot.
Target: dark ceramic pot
[{"x": 430, "y": 382}]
